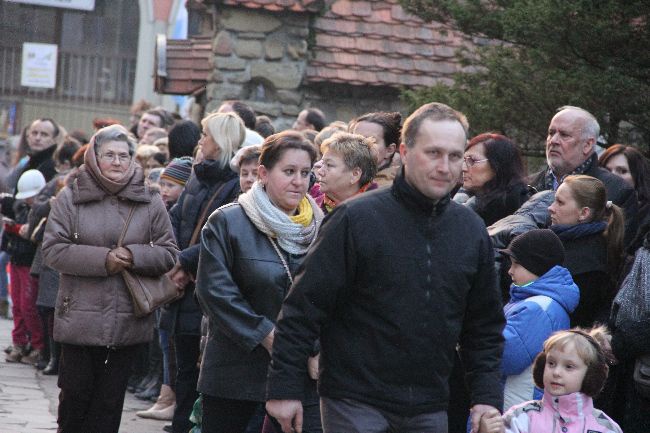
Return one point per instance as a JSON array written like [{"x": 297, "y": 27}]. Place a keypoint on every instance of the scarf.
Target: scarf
[
  {"x": 552, "y": 183},
  {"x": 111, "y": 187},
  {"x": 293, "y": 237},
  {"x": 568, "y": 232},
  {"x": 305, "y": 213},
  {"x": 329, "y": 203}
]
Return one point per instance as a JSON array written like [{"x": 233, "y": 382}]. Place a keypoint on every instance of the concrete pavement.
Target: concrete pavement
[{"x": 28, "y": 400}]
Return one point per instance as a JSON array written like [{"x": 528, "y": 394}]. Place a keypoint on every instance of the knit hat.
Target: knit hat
[
  {"x": 178, "y": 171},
  {"x": 536, "y": 250}
]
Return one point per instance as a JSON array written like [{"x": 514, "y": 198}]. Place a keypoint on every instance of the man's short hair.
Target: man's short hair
[
  {"x": 263, "y": 126},
  {"x": 166, "y": 118},
  {"x": 433, "y": 111},
  {"x": 389, "y": 122},
  {"x": 57, "y": 128},
  {"x": 244, "y": 111},
  {"x": 316, "y": 118},
  {"x": 590, "y": 126}
]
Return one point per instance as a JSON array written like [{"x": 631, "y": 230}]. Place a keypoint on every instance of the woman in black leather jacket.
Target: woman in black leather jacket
[{"x": 250, "y": 251}]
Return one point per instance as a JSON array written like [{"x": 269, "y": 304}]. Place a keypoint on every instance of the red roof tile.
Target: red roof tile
[
  {"x": 188, "y": 66},
  {"x": 378, "y": 43},
  {"x": 278, "y": 5}
]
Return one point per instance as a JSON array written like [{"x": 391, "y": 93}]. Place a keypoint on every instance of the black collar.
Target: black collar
[{"x": 414, "y": 199}]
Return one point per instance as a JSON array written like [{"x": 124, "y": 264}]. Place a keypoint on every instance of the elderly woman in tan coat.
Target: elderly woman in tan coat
[{"x": 94, "y": 317}]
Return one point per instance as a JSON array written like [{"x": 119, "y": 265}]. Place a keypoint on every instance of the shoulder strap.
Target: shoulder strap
[
  {"x": 126, "y": 226},
  {"x": 204, "y": 214}
]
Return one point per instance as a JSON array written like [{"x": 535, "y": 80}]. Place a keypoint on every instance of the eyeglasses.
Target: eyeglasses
[
  {"x": 469, "y": 161},
  {"x": 110, "y": 157}
]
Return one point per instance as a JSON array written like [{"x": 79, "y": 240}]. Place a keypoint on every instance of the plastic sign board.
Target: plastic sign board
[
  {"x": 39, "y": 65},
  {"x": 87, "y": 5}
]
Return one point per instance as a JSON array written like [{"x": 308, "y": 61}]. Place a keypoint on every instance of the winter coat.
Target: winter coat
[
  {"x": 586, "y": 259},
  {"x": 618, "y": 191},
  {"x": 531, "y": 215},
  {"x": 630, "y": 339},
  {"x": 241, "y": 283},
  {"x": 571, "y": 413},
  {"x": 184, "y": 315},
  {"x": 534, "y": 312},
  {"x": 492, "y": 209},
  {"x": 390, "y": 293},
  {"x": 94, "y": 308},
  {"x": 20, "y": 249},
  {"x": 48, "y": 278}
]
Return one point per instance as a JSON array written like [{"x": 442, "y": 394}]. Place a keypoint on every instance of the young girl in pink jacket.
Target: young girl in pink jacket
[{"x": 572, "y": 370}]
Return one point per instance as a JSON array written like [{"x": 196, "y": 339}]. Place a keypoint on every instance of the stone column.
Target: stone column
[{"x": 259, "y": 57}]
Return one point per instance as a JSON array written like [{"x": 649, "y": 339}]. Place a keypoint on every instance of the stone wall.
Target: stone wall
[{"x": 259, "y": 57}]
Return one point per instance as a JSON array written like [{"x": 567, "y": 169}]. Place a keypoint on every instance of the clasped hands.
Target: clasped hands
[{"x": 118, "y": 259}]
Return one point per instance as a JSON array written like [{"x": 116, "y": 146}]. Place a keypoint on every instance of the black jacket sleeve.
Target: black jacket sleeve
[
  {"x": 481, "y": 340},
  {"x": 311, "y": 300}
]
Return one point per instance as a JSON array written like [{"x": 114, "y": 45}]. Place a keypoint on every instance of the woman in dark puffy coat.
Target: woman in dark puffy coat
[
  {"x": 211, "y": 185},
  {"x": 591, "y": 230},
  {"x": 493, "y": 177},
  {"x": 250, "y": 251}
]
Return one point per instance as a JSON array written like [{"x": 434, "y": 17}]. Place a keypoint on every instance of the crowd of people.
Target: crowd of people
[{"x": 368, "y": 276}]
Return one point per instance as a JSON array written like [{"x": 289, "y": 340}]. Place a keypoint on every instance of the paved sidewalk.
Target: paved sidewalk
[{"x": 28, "y": 400}]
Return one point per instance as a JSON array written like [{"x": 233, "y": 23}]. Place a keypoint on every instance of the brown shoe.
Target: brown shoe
[
  {"x": 33, "y": 357},
  {"x": 16, "y": 354}
]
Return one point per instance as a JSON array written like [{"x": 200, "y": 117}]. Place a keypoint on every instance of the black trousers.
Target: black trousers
[
  {"x": 224, "y": 415},
  {"x": 93, "y": 383},
  {"x": 187, "y": 377}
]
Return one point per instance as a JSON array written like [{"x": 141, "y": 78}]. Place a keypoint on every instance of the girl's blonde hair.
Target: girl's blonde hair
[
  {"x": 584, "y": 346},
  {"x": 228, "y": 132},
  {"x": 592, "y": 346}
]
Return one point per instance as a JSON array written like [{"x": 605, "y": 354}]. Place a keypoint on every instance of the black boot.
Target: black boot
[
  {"x": 46, "y": 353},
  {"x": 53, "y": 366}
]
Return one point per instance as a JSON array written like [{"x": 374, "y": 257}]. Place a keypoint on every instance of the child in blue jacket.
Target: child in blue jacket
[{"x": 542, "y": 296}]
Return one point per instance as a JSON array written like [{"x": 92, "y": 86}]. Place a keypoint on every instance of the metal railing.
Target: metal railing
[{"x": 84, "y": 78}]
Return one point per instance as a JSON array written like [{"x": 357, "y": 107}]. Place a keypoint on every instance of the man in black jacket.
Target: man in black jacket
[
  {"x": 570, "y": 142},
  {"x": 397, "y": 278}
]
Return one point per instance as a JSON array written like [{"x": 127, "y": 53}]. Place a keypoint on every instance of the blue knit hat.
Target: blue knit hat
[{"x": 178, "y": 171}]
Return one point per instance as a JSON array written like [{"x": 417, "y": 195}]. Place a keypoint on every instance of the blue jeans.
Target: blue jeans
[
  {"x": 4, "y": 280},
  {"x": 164, "y": 346}
]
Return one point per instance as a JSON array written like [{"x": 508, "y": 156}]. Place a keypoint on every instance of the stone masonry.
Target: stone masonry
[{"x": 260, "y": 57}]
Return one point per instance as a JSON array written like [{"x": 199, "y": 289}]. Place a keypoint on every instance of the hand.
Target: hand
[
  {"x": 491, "y": 422},
  {"x": 312, "y": 366},
  {"x": 24, "y": 229},
  {"x": 124, "y": 254},
  {"x": 114, "y": 264},
  {"x": 288, "y": 413},
  {"x": 267, "y": 343},
  {"x": 477, "y": 412},
  {"x": 179, "y": 276}
]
